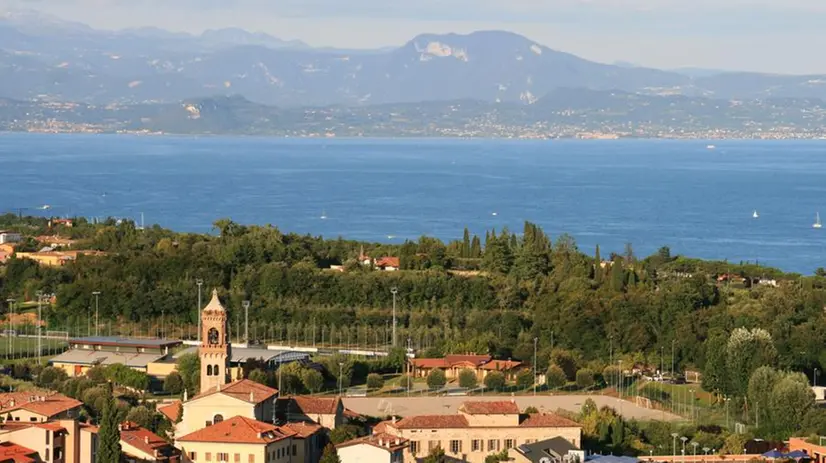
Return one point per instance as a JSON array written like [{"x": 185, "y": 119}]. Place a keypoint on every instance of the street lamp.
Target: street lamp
[
  {"x": 10, "y": 328},
  {"x": 534, "y": 365},
  {"x": 199, "y": 282},
  {"x": 816, "y": 371},
  {"x": 684, "y": 439},
  {"x": 705, "y": 450},
  {"x": 727, "y": 399},
  {"x": 246, "y": 305},
  {"x": 394, "y": 291},
  {"x": 695, "y": 445},
  {"x": 97, "y": 310},
  {"x": 39, "y": 295},
  {"x": 340, "y": 373},
  {"x": 674, "y": 436}
]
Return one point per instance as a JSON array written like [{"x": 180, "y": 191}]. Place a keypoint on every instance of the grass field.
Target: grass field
[{"x": 17, "y": 347}]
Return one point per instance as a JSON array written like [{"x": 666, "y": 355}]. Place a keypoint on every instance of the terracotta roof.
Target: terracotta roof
[
  {"x": 429, "y": 363},
  {"x": 382, "y": 426},
  {"x": 244, "y": 389},
  {"x": 501, "y": 407},
  {"x": 546, "y": 420},
  {"x": 316, "y": 405},
  {"x": 142, "y": 439},
  {"x": 10, "y": 452},
  {"x": 383, "y": 441},
  {"x": 54, "y": 427},
  {"x": 501, "y": 365},
  {"x": 469, "y": 358},
  {"x": 301, "y": 430},
  {"x": 387, "y": 262},
  {"x": 38, "y": 403},
  {"x": 237, "y": 430},
  {"x": 452, "y": 360},
  {"x": 350, "y": 414},
  {"x": 171, "y": 411},
  {"x": 89, "y": 428},
  {"x": 431, "y": 422}
]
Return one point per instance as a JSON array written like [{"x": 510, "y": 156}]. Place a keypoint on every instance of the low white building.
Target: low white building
[
  {"x": 377, "y": 448},
  {"x": 10, "y": 237}
]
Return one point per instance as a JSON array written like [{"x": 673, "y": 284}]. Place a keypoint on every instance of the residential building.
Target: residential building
[
  {"x": 238, "y": 440},
  {"x": 10, "y": 237},
  {"x": 479, "y": 429},
  {"x": 50, "y": 258},
  {"x": 815, "y": 451},
  {"x": 172, "y": 411},
  {"x": 387, "y": 264},
  {"x": 452, "y": 364},
  {"x": 243, "y": 398},
  {"x": 553, "y": 450},
  {"x": 13, "y": 453},
  {"x": 309, "y": 440},
  {"x": 55, "y": 241},
  {"x": 152, "y": 356},
  {"x": 37, "y": 407},
  {"x": 376, "y": 448},
  {"x": 326, "y": 411},
  {"x": 140, "y": 445}
]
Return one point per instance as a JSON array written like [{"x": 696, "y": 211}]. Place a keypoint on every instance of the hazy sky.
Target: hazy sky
[{"x": 785, "y": 36}]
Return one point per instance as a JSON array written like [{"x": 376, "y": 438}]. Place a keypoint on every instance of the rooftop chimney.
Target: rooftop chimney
[
  {"x": 146, "y": 439},
  {"x": 252, "y": 397},
  {"x": 381, "y": 442},
  {"x": 398, "y": 441}
]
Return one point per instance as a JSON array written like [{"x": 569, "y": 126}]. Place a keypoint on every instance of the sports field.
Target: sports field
[{"x": 407, "y": 406}]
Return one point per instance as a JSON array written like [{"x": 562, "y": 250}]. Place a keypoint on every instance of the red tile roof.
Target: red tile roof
[
  {"x": 350, "y": 414},
  {"x": 10, "y": 452},
  {"x": 501, "y": 407},
  {"x": 317, "y": 405},
  {"x": 241, "y": 389},
  {"x": 387, "y": 262},
  {"x": 38, "y": 403},
  {"x": 501, "y": 365},
  {"x": 381, "y": 427},
  {"x": 89, "y": 428},
  {"x": 171, "y": 411},
  {"x": 54, "y": 427},
  {"x": 238, "y": 430},
  {"x": 546, "y": 420},
  {"x": 429, "y": 363},
  {"x": 142, "y": 439},
  {"x": 382, "y": 441},
  {"x": 302, "y": 429},
  {"x": 469, "y": 358},
  {"x": 431, "y": 422}
]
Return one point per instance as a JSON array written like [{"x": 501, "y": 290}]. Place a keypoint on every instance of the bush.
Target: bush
[
  {"x": 566, "y": 360},
  {"x": 495, "y": 380},
  {"x": 525, "y": 379},
  {"x": 531, "y": 410},
  {"x": 467, "y": 379},
  {"x": 555, "y": 377},
  {"x": 375, "y": 381},
  {"x": 584, "y": 378},
  {"x": 611, "y": 375},
  {"x": 436, "y": 379},
  {"x": 173, "y": 383},
  {"x": 406, "y": 381},
  {"x": 51, "y": 378},
  {"x": 312, "y": 379}
]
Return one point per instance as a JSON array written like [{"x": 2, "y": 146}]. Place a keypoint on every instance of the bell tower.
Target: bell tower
[{"x": 214, "y": 350}]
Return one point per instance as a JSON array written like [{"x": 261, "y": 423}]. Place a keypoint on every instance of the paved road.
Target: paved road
[{"x": 407, "y": 406}]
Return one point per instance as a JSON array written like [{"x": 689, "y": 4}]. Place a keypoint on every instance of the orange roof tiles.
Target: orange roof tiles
[
  {"x": 546, "y": 420},
  {"x": 301, "y": 430},
  {"x": 54, "y": 427},
  {"x": 238, "y": 429},
  {"x": 502, "y": 407},
  {"x": 316, "y": 405},
  {"x": 142, "y": 439},
  {"x": 484, "y": 362},
  {"x": 171, "y": 411},
  {"x": 244, "y": 389},
  {"x": 501, "y": 365},
  {"x": 38, "y": 403},
  {"x": 469, "y": 358},
  {"x": 383, "y": 441},
  {"x": 387, "y": 262},
  {"x": 10, "y": 452},
  {"x": 431, "y": 422}
]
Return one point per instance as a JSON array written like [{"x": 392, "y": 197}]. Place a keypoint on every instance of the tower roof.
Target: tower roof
[{"x": 215, "y": 303}]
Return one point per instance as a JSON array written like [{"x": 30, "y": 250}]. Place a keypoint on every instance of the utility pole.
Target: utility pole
[
  {"x": 246, "y": 322},
  {"x": 39, "y": 322},
  {"x": 97, "y": 310},
  {"x": 163, "y": 325},
  {"x": 534, "y": 365},
  {"x": 199, "y": 282},
  {"x": 10, "y": 329},
  {"x": 394, "y": 290},
  {"x": 340, "y": 372},
  {"x": 673, "y": 342},
  {"x": 611, "y": 350}
]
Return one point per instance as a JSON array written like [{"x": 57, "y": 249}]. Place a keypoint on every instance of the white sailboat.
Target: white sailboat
[
  {"x": 323, "y": 215},
  {"x": 755, "y": 214},
  {"x": 817, "y": 221}
]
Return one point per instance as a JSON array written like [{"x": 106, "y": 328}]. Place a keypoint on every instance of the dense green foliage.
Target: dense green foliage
[
  {"x": 467, "y": 378},
  {"x": 555, "y": 377},
  {"x": 330, "y": 455},
  {"x": 375, "y": 381},
  {"x": 495, "y": 381},
  {"x": 436, "y": 379},
  {"x": 109, "y": 450}
]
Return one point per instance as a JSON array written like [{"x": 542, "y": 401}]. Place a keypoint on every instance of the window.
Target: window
[
  {"x": 455, "y": 446},
  {"x": 251, "y": 458},
  {"x": 476, "y": 445},
  {"x": 414, "y": 447},
  {"x": 509, "y": 443},
  {"x": 212, "y": 336},
  {"x": 208, "y": 456},
  {"x": 217, "y": 419},
  {"x": 237, "y": 458},
  {"x": 33, "y": 419},
  {"x": 48, "y": 434},
  {"x": 223, "y": 457},
  {"x": 209, "y": 370},
  {"x": 193, "y": 456},
  {"x": 493, "y": 445},
  {"x": 295, "y": 450}
]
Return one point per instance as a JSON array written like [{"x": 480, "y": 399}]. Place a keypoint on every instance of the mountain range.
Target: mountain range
[{"x": 45, "y": 58}]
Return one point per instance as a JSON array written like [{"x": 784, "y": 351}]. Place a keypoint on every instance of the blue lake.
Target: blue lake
[{"x": 696, "y": 200}]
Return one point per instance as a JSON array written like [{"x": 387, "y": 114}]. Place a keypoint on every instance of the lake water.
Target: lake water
[{"x": 650, "y": 193}]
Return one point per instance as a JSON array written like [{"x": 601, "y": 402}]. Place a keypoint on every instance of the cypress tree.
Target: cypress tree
[
  {"x": 598, "y": 267},
  {"x": 466, "y": 244},
  {"x": 475, "y": 248},
  {"x": 617, "y": 275},
  {"x": 109, "y": 450}
]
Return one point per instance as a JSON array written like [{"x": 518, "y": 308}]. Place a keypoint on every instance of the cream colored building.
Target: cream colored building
[
  {"x": 377, "y": 448},
  {"x": 37, "y": 407},
  {"x": 326, "y": 411},
  {"x": 241, "y": 398},
  {"x": 238, "y": 440},
  {"x": 479, "y": 429}
]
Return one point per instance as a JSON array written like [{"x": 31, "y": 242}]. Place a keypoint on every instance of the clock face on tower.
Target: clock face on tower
[{"x": 212, "y": 337}]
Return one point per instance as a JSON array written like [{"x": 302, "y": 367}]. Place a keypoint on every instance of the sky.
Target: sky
[{"x": 778, "y": 36}]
